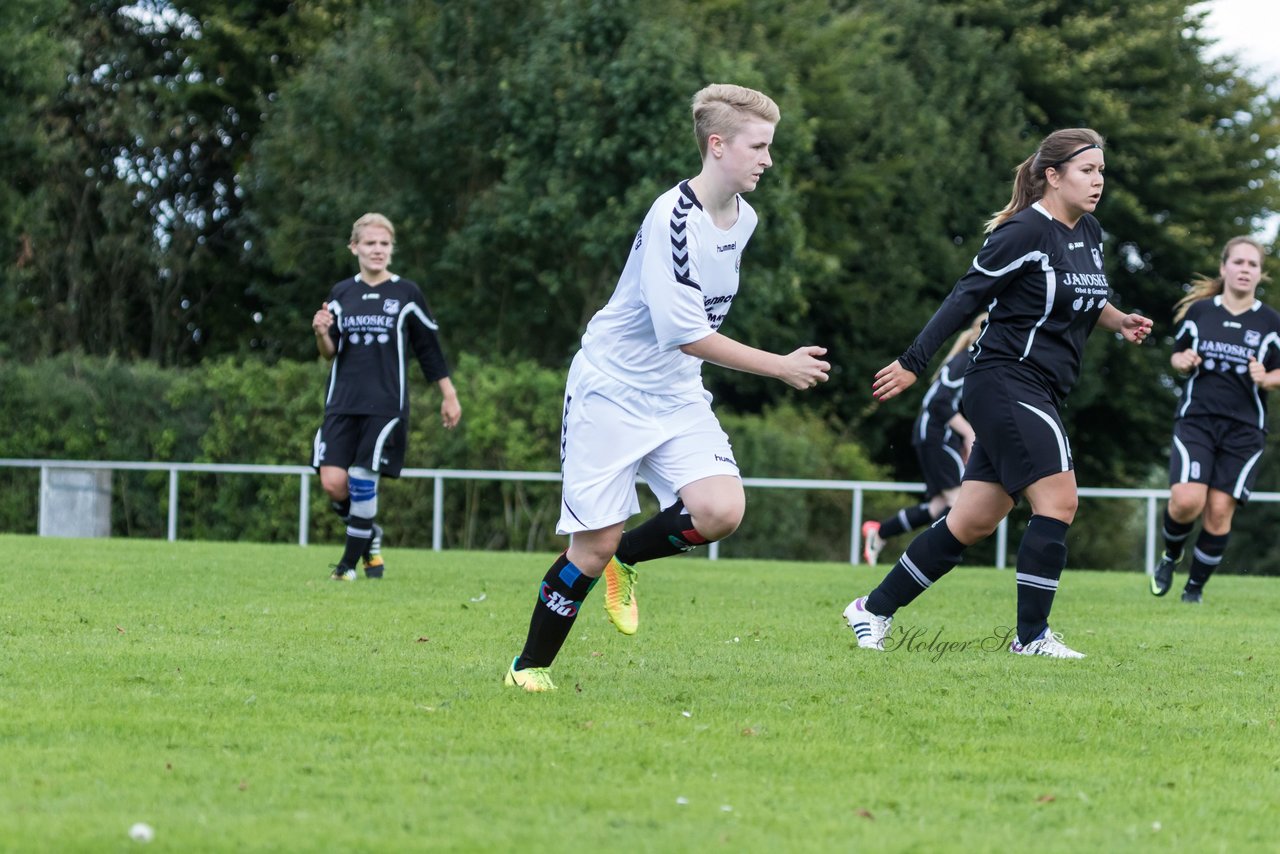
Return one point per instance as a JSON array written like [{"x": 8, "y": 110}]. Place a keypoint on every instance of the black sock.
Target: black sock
[
  {"x": 559, "y": 599},
  {"x": 341, "y": 508},
  {"x": 670, "y": 532},
  {"x": 906, "y": 519},
  {"x": 930, "y": 556},
  {"x": 1041, "y": 559},
  {"x": 1205, "y": 558},
  {"x": 1175, "y": 535},
  {"x": 359, "y": 532}
]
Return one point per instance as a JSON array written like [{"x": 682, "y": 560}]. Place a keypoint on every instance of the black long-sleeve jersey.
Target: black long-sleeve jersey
[
  {"x": 941, "y": 403},
  {"x": 1220, "y": 385},
  {"x": 374, "y": 329},
  {"x": 1044, "y": 288}
]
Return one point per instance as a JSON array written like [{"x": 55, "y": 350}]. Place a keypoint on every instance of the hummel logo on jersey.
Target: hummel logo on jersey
[
  {"x": 730, "y": 460},
  {"x": 558, "y": 603},
  {"x": 725, "y": 247}
]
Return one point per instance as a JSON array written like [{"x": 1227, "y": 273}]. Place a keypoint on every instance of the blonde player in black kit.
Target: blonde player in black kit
[
  {"x": 368, "y": 326},
  {"x": 1040, "y": 276},
  {"x": 1228, "y": 347}
]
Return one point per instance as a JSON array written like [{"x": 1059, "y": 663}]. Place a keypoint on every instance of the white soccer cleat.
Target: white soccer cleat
[
  {"x": 870, "y": 629},
  {"x": 1049, "y": 643}
]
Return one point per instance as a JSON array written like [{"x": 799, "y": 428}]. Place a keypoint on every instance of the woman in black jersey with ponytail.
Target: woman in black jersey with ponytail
[
  {"x": 1040, "y": 277},
  {"x": 1228, "y": 347}
]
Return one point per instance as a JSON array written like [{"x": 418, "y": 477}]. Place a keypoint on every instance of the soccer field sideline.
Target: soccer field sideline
[{"x": 232, "y": 698}]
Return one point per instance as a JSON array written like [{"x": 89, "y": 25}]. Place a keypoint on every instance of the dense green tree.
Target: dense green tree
[{"x": 135, "y": 244}]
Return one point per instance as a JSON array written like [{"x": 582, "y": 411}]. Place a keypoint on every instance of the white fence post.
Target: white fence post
[
  {"x": 173, "y": 504},
  {"x": 304, "y": 506}
]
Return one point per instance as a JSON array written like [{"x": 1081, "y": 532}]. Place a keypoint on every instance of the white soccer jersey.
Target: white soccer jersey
[{"x": 676, "y": 288}]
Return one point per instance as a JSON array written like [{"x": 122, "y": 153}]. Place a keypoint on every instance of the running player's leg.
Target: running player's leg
[{"x": 1211, "y": 544}]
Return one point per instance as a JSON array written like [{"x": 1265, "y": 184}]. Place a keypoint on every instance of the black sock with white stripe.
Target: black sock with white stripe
[
  {"x": 1041, "y": 559},
  {"x": 1205, "y": 558},
  {"x": 559, "y": 599},
  {"x": 906, "y": 519},
  {"x": 359, "y": 532},
  {"x": 1175, "y": 535},
  {"x": 930, "y": 556}
]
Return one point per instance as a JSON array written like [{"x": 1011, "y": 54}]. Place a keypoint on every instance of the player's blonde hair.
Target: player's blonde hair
[
  {"x": 721, "y": 108},
  {"x": 1204, "y": 286},
  {"x": 1054, "y": 152},
  {"x": 371, "y": 220},
  {"x": 963, "y": 341}
]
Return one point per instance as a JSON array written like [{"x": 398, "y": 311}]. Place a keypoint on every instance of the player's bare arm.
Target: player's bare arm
[
  {"x": 321, "y": 322},
  {"x": 1134, "y": 327},
  {"x": 800, "y": 368}
]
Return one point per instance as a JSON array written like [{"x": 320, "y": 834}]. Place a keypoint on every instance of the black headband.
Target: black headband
[{"x": 1055, "y": 164}]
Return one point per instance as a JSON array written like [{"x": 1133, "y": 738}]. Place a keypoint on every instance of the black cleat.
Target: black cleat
[
  {"x": 1193, "y": 597},
  {"x": 1162, "y": 578}
]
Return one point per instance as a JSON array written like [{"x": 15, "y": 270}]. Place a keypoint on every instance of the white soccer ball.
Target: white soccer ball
[{"x": 142, "y": 832}]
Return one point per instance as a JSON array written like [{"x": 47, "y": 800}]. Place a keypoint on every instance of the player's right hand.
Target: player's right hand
[{"x": 322, "y": 320}]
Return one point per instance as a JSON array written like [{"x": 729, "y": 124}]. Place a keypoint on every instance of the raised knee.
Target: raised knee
[{"x": 719, "y": 523}]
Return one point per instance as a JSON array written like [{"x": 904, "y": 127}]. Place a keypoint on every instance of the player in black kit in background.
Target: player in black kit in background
[
  {"x": 1040, "y": 276},
  {"x": 1228, "y": 347},
  {"x": 368, "y": 326},
  {"x": 942, "y": 437}
]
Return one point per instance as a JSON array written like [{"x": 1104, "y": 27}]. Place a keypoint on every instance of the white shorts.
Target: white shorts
[{"x": 612, "y": 432}]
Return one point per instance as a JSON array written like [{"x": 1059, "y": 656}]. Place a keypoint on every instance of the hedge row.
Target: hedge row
[{"x": 234, "y": 411}]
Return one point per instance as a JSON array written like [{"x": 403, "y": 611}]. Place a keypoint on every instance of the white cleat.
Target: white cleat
[
  {"x": 1049, "y": 643},
  {"x": 870, "y": 629}
]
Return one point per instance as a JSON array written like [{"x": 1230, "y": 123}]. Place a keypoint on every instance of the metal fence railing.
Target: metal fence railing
[{"x": 858, "y": 488}]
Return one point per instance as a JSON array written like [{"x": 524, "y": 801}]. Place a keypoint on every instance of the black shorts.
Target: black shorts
[
  {"x": 374, "y": 442},
  {"x": 942, "y": 465},
  {"x": 1020, "y": 438},
  {"x": 1220, "y": 452}
]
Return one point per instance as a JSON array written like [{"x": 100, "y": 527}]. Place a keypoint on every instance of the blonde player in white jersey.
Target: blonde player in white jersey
[{"x": 634, "y": 403}]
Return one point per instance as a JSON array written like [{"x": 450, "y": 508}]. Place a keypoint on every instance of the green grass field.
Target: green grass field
[{"x": 235, "y": 699}]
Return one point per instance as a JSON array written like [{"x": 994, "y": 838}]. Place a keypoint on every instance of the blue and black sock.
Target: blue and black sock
[
  {"x": 560, "y": 597},
  {"x": 668, "y": 533},
  {"x": 931, "y": 555},
  {"x": 1041, "y": 559}
]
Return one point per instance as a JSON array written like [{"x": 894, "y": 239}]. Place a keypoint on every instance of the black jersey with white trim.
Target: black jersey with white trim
[
  {"x": 375, "y": 327},
  {"x": 1043, "y": 287},
  {"x": 941, "y": 402},
  {"x": 1220, "y": 385}
]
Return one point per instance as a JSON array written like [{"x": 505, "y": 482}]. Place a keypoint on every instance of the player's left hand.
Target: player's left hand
[
  {"x": 450, "y": 413},
  {"x": 891, "y": 381},
  {"x": 1135, "y": 328},
  {"x": 1257, "y": 373}
]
